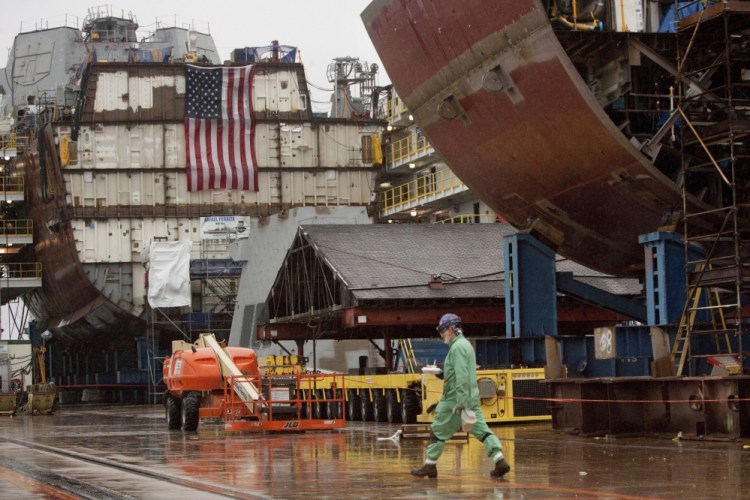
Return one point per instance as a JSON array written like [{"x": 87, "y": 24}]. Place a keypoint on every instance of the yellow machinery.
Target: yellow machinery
[
  {"x": 507, "y": 395},
  {"x": 512, "y": 395}
]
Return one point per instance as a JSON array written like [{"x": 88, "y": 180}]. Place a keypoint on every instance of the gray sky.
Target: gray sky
[{"x": 321, "y": 29}]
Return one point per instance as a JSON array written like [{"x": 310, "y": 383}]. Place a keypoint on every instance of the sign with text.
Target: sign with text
[{"x": 224, "y": 227}]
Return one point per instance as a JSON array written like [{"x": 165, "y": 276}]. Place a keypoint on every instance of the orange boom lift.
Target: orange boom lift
[{"x": 206, "y": 379}]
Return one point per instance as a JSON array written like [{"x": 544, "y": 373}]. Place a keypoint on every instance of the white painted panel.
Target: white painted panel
[
  {"x": 152, "y": 173},
  {"x": 329, "y": 145},
  {"x": 277, "y": 91},
  {"x": 111, "y": 90},
  {"x": 123, "y": 239},
  {"x": 299, "y": 187}
]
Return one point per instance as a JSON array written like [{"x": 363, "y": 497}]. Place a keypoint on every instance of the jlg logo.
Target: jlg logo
[{"x": 291, "y": 425}]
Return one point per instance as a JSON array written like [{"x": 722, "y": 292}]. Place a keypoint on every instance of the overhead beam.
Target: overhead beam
[
  {"x": 358, "y": 317},
  {"x": 568, "y": 284}
]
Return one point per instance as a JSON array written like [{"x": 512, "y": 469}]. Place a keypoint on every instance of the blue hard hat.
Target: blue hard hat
[{"x": 447, "y": 321}]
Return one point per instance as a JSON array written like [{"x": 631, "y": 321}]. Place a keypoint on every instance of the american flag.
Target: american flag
[{"x": 219, "y": 128}]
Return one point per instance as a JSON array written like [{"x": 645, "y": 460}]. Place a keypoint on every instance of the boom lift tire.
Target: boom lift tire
[
  {"x": 190, "y": 411},
  {"x": 174, "y": 411}
]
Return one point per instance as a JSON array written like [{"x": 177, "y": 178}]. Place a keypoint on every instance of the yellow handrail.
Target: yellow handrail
[
  {"x": 407, "y": 147},
  {"x": 17, "y": 227},
  {"x": 11, "y": 184},
  {"x": 21, "y": 270},
  {"x": 423, "y": 186},
  {"x": 471, "y": 219},
  {"x": 13, "y": 141}
]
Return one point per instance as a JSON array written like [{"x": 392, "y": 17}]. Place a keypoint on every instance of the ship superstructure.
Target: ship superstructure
[
  {"x": 103, "y": 162},
  {"x": 46, "y": 66}
]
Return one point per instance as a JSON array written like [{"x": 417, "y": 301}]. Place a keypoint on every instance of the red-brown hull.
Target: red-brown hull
[
  {"x": 498, "y": 97},
  {"x": 68, "y": 303}
]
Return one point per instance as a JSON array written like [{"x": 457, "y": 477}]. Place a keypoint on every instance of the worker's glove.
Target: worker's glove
[
  {"x": 457, "y": 410},
  {"x": 432, "y": 407}
]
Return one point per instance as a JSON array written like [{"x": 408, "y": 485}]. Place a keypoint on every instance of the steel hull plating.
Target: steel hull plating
[
  {"x": 67, "y": 302},
  {"x": 497, "y": 95}
]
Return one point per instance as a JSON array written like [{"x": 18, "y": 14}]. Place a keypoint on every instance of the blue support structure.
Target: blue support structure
[
  {"x": 530, "y": 287},
  {"x": 666, "y": 289},
  {"x": 664, "y": 257}
]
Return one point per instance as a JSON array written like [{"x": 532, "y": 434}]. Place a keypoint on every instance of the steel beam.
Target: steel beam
[
  {"x": 530, "y": 296},
  {"x": 568, "y": 284}
]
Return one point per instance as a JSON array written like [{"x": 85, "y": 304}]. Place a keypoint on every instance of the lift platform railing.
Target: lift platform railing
[{"x": 287, "y": 403}]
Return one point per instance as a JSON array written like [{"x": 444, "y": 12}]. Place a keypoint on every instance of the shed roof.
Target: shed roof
[{"x": 399, "y": 261}]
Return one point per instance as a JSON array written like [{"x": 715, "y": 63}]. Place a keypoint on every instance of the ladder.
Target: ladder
[
  {"x": 701, "y": 300},
  {"x": 407, "y": 351}
]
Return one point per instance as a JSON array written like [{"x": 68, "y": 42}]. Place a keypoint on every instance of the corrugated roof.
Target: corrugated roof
[{"x": 398, "y": 261}]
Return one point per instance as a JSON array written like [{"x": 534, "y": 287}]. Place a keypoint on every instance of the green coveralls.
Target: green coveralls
[{"x": 460, "y": 389}]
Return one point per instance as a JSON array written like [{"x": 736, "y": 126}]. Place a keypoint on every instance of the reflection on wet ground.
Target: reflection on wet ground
[{"x": 356, "y": 462}]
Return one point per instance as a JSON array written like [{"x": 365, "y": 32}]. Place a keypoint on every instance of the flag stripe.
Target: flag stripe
[{"x": 219, "y": 129}]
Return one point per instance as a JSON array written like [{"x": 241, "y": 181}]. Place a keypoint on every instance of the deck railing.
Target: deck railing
[
  {"x": 407, "y": 148},
  {"x": 17, "y": 227},
  {"x": 443, "y": 181},
  {"x": 15, "y": 270}
]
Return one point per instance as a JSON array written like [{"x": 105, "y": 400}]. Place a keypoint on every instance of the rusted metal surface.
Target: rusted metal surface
[
  {"x": 67, "y": 297},
  {"x": 699, "y": 407},
  {"x": 499, "y": 98}
]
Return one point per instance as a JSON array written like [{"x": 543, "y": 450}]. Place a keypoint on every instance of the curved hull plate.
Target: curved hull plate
[
  {"x": 498, "y": 97},
  {"x": 68, "y": 304}
]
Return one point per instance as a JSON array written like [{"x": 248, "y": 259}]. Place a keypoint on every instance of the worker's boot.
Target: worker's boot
[
  {"x": 501, "y": 468},
  {"x": 427, "y": 470}
]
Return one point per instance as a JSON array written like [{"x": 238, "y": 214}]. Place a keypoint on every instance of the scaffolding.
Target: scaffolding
[
  {"x": 713, "y": 90},
  {"x": 214, "y": 284}
]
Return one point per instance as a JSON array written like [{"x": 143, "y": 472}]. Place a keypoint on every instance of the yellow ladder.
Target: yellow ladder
[
  {"x": 686, "y": 328},
  {"x": 410, "y": 361}
]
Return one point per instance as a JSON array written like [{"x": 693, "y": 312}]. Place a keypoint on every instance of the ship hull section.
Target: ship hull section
[{"x": 498, "y": 97}]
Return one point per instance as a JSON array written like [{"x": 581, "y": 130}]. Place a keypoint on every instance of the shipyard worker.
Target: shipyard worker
[{"x": 460, "y": 397}]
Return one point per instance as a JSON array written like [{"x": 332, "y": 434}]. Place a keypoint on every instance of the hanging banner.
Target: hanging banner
[
  {"x": 169, "y": 273},
  {"x": 224, "y": 227}
]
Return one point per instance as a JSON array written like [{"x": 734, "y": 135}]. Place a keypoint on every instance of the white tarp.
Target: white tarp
[
  {"x": 169, "y": 273},
  {"x": 224, "y": 227}
]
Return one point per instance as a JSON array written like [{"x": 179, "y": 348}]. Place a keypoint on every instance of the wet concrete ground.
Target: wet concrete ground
[{"x": 127, "y": 452}]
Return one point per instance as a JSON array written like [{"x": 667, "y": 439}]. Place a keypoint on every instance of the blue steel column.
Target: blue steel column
[
  {"x": 530, "y": 297},
  {"x": 664, "y": 257}
]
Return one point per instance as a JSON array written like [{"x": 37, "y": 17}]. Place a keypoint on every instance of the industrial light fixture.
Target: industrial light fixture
[
  {"x": 389, "y": 127},
  {"x": 413, "y": 212},
  {"x": 411, "y": 118},
  {"x": 412, "y": 165}
]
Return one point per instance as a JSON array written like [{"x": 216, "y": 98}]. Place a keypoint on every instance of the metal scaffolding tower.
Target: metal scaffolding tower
[{"x": 713, "y": 102}]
